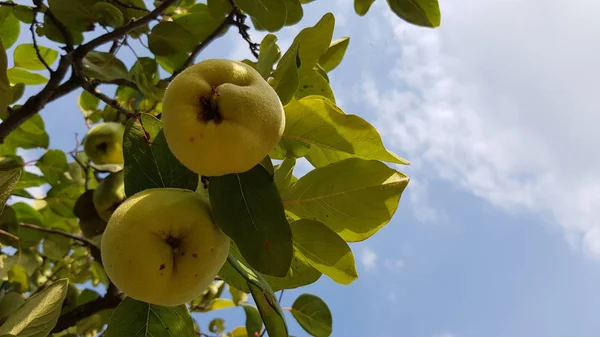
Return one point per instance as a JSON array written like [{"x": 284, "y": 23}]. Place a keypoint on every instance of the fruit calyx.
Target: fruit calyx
[
  {"x": 209, "y": 107},
  {"x": 173, "y": 242}
]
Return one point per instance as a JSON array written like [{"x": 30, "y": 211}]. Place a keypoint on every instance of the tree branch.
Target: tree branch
[
  {"x": 64, "y": 31},
  {"x": 93, "y": 248},
  {"x": 54, "y": 89},
  {"x": 112, "y": 298},
  {"x": 35, "y": 45},
  {"x": 112, "y": 102}
]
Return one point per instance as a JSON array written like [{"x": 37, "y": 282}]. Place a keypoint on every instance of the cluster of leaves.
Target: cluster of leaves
[{"x": 286, "y": 231}]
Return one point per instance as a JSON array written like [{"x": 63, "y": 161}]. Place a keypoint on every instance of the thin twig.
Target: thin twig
[
  {"x": 59, "y": 232},
  {"x": 35, "y": 45},
  {"x": 228, "y": 21},
  {"x": 119, "y": 81},
  {"x": 280, "y": 296},
  {"x": 240, "y": 22},
  {"x": 64, "y": 31},
  {"x": 112, "y": 102}
]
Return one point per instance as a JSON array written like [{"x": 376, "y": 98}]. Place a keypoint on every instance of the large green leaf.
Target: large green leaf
[
  {"x": 170, "y": 38},
  {"x": 334, "y": 55},
  {"x": 9, "y": 26},
  {"x": 324, "y": 250},
  {"x": 285, "y": 78},
  {"x": 132, "y": 317},
  {"x": 361, "y": 7},
  {"x": 52, "y": 32},
  {"x": 61, "y": 198},
  {"x": 53, "y": 165},
  {"x": 77, "y": 15},
  {"x": 313, "y": 315},
  {"x": 247, "y": 207},
  {"x": 318, "y": 123},
  {"x": 284, "y": 174},
  {"x": 294, "y": 12},
  {"x": 26, "y": 57},
  {"x": 263, "y": 296},
  {"x": 39, "y": 314},
  {"x": 8, "y": 180},
  {"x": 354, "y": 197},
  {"x": 300, "y": 274},
  {"x": 253, "y": 320},
  {"x": 313, "y": 83},
  {"x": 108, "y": 15},
  {"x": 56, "y": 246},
  {"x": 29, "y": 135},
  {"x": 419, "y": 12},
  {"x": 199, "y": 22},
  {"x": 269, "y": 54},
  {"x": 26, "y": 214},
  {"x": 218, "y": 8},
  {"x": 29, "y": 179},
  {"x": 270, "y": 14},
  {"x": 104, "y": 66},
  {"x": 6, "y": 92},
  {"x": 20, "y": 75},
  {"x": 148, "y": 161}
]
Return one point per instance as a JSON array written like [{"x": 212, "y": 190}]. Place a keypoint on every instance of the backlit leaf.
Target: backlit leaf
[
  {"x": 334, "y": 54},
  {"x": 361, "y": 7},
  {"x": 20, "y": 75},
  {"x": 53, "y": 164},
  {"x": 313, "y": 315},
  {"x": 170, "y": 38},
  {"x": 270, "y": 14},
  {"x": 104, "y": 66},
  {"x": 424, "y": 13},
  {"x": 25, "y": 56},
  {"x": 9, "y": 26},
  {"x": 8, "y": 180}
]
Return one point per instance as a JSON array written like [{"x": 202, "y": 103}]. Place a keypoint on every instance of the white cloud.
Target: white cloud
[
  {"x": 393, "y": 265},
  {"x": 500, "y": 101},
  {"x": 368, "y": 258}
]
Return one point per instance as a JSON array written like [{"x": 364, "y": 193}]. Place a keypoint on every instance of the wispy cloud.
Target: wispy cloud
[
  {"x": 506, "y": 112},
  {"x": 393, "y": 265},
  {"x": 368, "y": 258}
]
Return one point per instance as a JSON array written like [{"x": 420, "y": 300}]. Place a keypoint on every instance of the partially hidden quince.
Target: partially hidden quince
[
  {"x": 109, "y": 194},
  {"x": 162, "y": 247},
  {"x": 104, "y": 143},
  {"x": 220, "y": 117}
]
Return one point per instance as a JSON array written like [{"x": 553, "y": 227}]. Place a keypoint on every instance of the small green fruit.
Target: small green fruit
[
  {"x": 104, "y": 143},
  {"x": 109, "y": 194}
]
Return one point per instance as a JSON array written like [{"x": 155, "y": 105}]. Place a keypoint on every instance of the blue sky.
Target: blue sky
[{"x": 497, "y": 234}]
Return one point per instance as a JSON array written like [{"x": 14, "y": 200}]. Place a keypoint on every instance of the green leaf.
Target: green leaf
[
  {"x": 265, "y": 300},
  {"x": 269, "y": 54},
  {"x": 77, "y": 15},
  {"x": 56, "y": 246},
  {"x": 26, "y": 214},
  {"x": 39, "y": 314},
  {"x": 26, "y": 57},
  {"x": 424, "y": 13},
  {"x": 88, "y": 104},
  {"x": 318, "y": 123},
  {"x": 6, "y": 92},
  {"x": 132, "y": 316},
  {"x": 17, "y": 276},
  {"x": 253, "y": 320},
  {"x": 200, "y": 23},
  {"x": 325, "y": 250},
  {"x": 61, "y": 198},
  {"x": 104, "y": 66},
  {"x": 145, "y": 74},
  {"x": 284, "y": 174},
  {"x": 17, "y": 91},
  {"x": 270, "y": 14},
  {"x": 314, "y": 84},
  {"x": 108, "y": 15},
  {"x": 334, "y": 55},
  {"x": 313, "y": 315},
  {"x": 247, "y": 207},
  {"x": 285, "y": 78},
  {"x": 8, "y": 181},
  {"x": 53, "y": 165},
  {"x": 29, "y": 135},
  {"x": 294, "y": 12},
  {"x": 170, "y": 38},
  {"x": 29, "y": 179},
  {"x": 148, "y": 161},
  {"x": 23, "y": 13},
  {"x": 219, "y": 8},
  {"x": 354, "y": 197},
  {"x": 20, "y": 75},
  {"x": 361, "y": 7},
  {"x": 52, "y": 32},
  {"x": 9, "y": 26},
  {"x": 10, "y": 302},
  {"x": 300, "y": 274}
]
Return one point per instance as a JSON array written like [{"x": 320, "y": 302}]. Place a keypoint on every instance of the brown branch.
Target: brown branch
[
  {"x": 112, "y": 298},
  {"x": 228, "y": 21},
  {"x": 88, "y": 243},
  {"x": 54, "y": 89},
  {"x": 87, "y": 86},
  {"x": 35, "y": 45}
]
